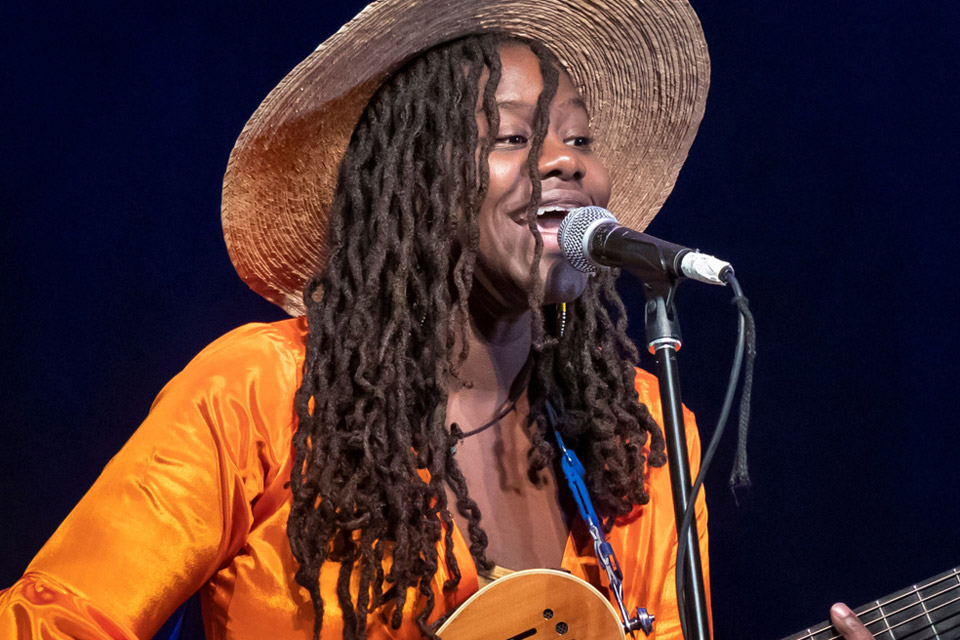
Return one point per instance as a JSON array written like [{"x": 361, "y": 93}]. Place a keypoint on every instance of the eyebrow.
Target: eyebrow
[
  {"x": 518, "y": 105},
  {"x": 575, "y": 102}
]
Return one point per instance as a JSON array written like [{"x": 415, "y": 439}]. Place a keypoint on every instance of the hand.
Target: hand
[{"x": 847, "y": 623}]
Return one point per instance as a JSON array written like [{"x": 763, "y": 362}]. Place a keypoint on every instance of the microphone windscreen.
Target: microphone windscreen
[{"x": 574, "y": 235}]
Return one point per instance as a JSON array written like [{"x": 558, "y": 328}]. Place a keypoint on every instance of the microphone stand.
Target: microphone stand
[{"x": 663, "y": 338}]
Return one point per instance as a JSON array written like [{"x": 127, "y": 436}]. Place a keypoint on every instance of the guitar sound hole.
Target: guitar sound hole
[
  {"x": 547, "y": 614},
  {"x": 561, "y": 628},
  {"x": 523, "y": 634}
]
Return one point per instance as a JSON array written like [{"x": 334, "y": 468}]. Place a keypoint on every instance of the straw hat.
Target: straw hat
[{"x": 640, "y": 65}]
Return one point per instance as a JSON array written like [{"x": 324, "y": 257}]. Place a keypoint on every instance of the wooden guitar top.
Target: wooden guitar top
[{"x": 540, "y": 604}]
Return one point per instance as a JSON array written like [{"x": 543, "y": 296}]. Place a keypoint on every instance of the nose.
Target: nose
[{"x": 560, "y": 160}]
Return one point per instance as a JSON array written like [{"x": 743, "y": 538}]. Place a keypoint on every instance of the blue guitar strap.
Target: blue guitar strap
[{"x": 574, "y": 472}]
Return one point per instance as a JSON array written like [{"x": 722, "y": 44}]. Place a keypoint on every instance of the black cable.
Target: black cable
[
  {"x": 739, "y": 475},
  {"x": 746, "y": 342}
]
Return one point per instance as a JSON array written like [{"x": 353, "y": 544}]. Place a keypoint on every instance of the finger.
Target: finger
[{"x": 847, "y": 623}]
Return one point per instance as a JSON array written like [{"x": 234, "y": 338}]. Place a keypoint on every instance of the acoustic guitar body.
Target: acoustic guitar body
[{"x": 538, "y": 604}]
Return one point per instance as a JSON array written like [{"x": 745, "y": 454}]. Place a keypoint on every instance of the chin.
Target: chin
[{"x": 563, "y": 283}]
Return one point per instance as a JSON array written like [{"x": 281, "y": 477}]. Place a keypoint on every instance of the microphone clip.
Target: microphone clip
[{"x": 660, "y": 315}]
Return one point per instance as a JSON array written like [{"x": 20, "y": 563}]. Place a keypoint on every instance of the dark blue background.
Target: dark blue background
[{"x": 824, "y": 170}]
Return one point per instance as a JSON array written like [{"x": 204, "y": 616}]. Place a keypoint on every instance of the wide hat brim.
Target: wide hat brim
[{"x": 641, "y": 66}]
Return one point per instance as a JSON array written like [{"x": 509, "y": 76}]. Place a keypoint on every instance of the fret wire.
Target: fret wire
[
  {"x": 912, "y": 604},
  {"x": 954, "y": 574},
  {"x": 884, "y": 618},
  {"x": 928, "y": 637},
  {"x": 902, "y": 609},
  {"x": 939, "y": 606},
  {"x": 903, "y": 622},
  {"x": 936, "y": 636},
  {"x": 949, "y": 632}
]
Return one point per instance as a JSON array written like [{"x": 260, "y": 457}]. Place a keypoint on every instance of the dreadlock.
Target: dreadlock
[{"x": 373, "y": 450}]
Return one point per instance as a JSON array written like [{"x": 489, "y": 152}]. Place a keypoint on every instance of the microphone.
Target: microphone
[{"x": 591, "y": 237}]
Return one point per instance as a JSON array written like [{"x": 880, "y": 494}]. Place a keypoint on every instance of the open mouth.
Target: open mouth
[{"x": 549, "y": 217}]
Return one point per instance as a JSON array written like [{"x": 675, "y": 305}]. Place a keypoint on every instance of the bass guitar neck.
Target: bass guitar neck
[{"x": 929, "y": 610}]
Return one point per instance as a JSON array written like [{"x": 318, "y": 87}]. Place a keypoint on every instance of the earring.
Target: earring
[{"x": 561, "y": 319}]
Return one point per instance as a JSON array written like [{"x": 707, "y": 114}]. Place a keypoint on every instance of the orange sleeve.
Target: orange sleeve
[{"x": 172, "y": 507}]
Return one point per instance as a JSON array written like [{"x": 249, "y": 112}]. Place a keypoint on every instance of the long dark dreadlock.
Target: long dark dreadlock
[{"x": 380, "y": 350}]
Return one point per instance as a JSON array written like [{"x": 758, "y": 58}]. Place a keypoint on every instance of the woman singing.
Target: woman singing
[{"x": 360, "y": 470}]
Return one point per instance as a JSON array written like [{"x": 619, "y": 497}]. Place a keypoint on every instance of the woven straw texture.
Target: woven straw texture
[{"x": 641, "y": 66}]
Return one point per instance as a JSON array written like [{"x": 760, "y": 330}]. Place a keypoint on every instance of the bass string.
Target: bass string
[
  {"x": 887, "y": 626},
  {"x": 955, "y": 574},
  {"x": 915, "y": 591}
]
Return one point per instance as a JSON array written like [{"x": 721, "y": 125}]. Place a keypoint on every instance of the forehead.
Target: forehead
[{"x": 521, "y": 83}]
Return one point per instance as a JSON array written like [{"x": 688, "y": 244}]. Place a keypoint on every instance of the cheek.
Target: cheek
[
  {"x": 598, "y": 182},
  {"x": 508, "y": 182},
  {"x": 499, "y": 178},
  {"x": 508, "y": 191}
]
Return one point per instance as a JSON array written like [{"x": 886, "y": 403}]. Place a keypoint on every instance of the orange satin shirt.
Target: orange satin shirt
[{"x": 197, "y": 500}]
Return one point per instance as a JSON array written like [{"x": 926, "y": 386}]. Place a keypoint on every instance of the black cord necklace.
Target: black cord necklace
[
  {"x": 509, "y": 406},
  {"x": 516, "y": 390}
]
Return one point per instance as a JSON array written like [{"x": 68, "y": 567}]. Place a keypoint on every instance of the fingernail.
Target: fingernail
[{"x": 841, "y": 610}]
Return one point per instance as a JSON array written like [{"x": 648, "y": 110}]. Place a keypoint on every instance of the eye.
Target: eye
[
  {"x": 515, "y": 140},
  {"x": 581, "y": 141}
]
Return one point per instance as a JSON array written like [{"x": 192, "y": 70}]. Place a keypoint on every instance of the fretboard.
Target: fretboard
[{"x": 929, "y": 610}]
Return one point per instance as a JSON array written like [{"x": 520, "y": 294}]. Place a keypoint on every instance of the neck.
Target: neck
[
  {"x": 498, "y": 347},
  {"x": 498, "y": 338},
  {"x": 497, "y": 350}
]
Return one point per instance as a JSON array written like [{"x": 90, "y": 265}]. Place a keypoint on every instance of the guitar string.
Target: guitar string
[
  {"x": 940, "y": 633},
  {"x": 921, "y": 600},
  {"x": 955, "y": 574},
  {"x": 915, "y": 591},
  {"x": 889, "y": 628}
]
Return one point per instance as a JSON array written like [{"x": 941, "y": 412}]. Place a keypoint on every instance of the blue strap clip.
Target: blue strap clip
[{"x": 574, "y": 472}]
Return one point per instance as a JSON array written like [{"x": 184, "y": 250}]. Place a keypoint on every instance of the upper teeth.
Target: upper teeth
[{"x": 543, "y": 210}]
